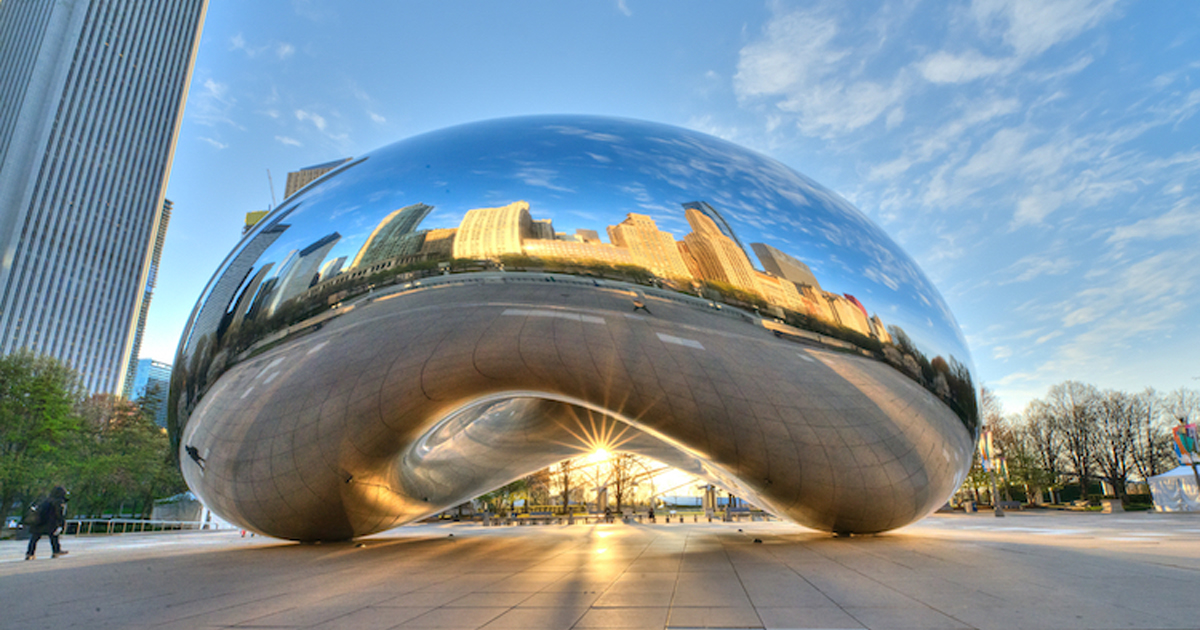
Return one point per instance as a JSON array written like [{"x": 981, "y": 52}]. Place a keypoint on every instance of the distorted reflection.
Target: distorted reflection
[{"x": 657, "y": 215}]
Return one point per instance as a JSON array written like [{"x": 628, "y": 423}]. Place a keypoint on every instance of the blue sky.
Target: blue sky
[{"x": 1038, "y": 159}]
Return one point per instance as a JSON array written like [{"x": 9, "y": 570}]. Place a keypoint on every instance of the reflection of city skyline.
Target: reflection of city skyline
[{"x": 710, "y": 255}]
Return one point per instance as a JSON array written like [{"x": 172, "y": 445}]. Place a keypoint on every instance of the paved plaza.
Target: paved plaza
[{"x": 1029, "y": 570}]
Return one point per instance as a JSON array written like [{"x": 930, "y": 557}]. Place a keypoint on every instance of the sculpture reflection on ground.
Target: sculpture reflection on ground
[{"x": 504, "y": 219}]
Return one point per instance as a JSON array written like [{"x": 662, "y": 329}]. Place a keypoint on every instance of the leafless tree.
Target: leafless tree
[
  {"x": 1152, "y": 454},
  {"x": 1183, "y": 405},
  {"x": 1073, "y": 408},
  {"x": 1043, "y": 439},
  {"x": 1117, "y": 432}
]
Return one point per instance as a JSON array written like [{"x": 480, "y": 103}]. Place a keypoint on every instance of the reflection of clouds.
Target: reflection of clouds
[
  {"x": 567, "y": 130},
  {"x": 590, "y": 172},
  {"x": 541, "y": 177}
]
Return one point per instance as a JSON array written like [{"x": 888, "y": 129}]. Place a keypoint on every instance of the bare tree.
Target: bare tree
[
  {"x": 1152, "y": 454},
  {"x": 1073, "y": 408},
  {"x": 1043, "y": 439},
  {"x": 1183, "y": 405},
  {"x": 1117, "y": 430}
]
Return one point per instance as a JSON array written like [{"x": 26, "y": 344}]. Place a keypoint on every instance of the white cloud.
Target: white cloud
[
  {"x": 621, "y": 6},
  {"x": 288, "y": 141},
  {"x": 1036, "y": 265},
  {"x": 284, "y": 50},
  {"x": 1182, "y": 219},
  {"x": 377, "y": 118},
  {"x": 316, "y": 119},
  {"x": 218, "y": 145},
  {"x": 1034, "y": 207},
  {"x": 943, "y": 67},
  {"x": 796, "y": 65},
  {"x": 999, "y": 155},
  {"x": 1031, "y": 27}
]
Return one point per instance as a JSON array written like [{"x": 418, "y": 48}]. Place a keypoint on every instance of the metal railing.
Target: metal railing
[{"x": 90, "y": 526}]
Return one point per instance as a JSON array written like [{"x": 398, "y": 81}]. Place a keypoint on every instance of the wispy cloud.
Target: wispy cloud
[
  {"x": 284, "y": 50},
  {"x": 288, "y": 141},
  {"x": 214, "y": 143},
  {"x": 624, "y": 8},
  {"x": 317, "y": 120},
  {"x": 376, "y": 117}
]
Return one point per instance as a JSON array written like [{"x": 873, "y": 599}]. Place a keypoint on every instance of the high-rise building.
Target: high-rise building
[
  {"x": 543, "y": 228},
  {"x": 651, "y": 248},
  {"x": 303, "y": 271},
  {"x": 717, "y": 256},
  {"x": 151, "y": 379},
  {"x": 392, "y": 236},
  {"x": 491, "y": 232},
  {"x": 160, "y": 235},
  {"x": 718, "y": 219},
  {"x": 91, "y": 96},
  {"x": 305, "y": 176},
  {"x": 210, "y": 320},
  {"x": 784, "y": 266}
]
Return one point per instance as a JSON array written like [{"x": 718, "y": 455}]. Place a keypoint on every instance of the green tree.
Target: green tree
[
  {"x": 122, "y": 461},
  {"x": 37, "y": 402}
]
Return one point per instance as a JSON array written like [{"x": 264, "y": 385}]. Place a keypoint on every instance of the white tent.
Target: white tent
[{"x": 1175, "y": 491}]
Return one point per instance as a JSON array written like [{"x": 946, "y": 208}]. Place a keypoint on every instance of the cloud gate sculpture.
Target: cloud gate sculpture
[{"x": 432, "y": 320}]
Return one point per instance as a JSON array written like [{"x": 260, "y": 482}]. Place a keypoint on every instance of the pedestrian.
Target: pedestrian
[
  {"x": 651, "y": 515},
  {"x": 51, "y": 517}
]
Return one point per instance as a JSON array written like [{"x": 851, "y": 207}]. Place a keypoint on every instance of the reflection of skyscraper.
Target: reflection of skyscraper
[
  {"x": 578, "y": 251},
  {"x": 651, "y": 248},
  {"x": 438, "y": 243},
  {"x": 879, "y": 330},
  {"x": 543, "y": 228},
  {"x": 389, "y": 238},
  {"x": 160, "y": 236},
  {"x": 784, "y": 266},
  {"x": 490, "y": 232},
  {"x": 332, "y": 268},
  {"x": 91, "y": 96},
  {"x": 722, "y": 225},
  {"x": 301, "y": 272},
  {"x": 208, "y": 320},
  {"x": 717, "y": 256},
  {"x": 305, "y": 176}
]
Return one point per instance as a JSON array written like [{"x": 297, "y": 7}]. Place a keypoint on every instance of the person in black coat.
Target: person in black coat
[{"x": 51, "y": 516}]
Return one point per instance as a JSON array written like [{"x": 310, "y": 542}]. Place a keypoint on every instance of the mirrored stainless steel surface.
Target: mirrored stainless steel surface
[{"x": 456, "y": 310}]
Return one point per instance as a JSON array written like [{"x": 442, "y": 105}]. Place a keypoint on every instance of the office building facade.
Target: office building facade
[{"x": 91, "y": 96}]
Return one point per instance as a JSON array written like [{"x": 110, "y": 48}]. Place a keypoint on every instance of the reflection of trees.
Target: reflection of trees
[{"x": 948, "y": 379}]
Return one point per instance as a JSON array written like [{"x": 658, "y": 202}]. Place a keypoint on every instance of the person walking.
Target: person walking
[{"x": 51, "y": 516}]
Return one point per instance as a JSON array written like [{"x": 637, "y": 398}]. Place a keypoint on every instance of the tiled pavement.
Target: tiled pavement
[{"x": 1043, "y": 570}]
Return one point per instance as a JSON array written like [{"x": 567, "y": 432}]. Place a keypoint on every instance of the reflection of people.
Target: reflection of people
[
  {"x": 51, "y": 516},
  {"x": 639, "y": 302},
  {"x": 651, "y": 515},
  {"x": 194, "y": 453},
  {"x": 607, "y": 515}
]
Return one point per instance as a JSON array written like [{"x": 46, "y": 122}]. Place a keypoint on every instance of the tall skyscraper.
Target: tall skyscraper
[
  {"x": 651, "y": 248},
  {"x": 305, "y": 176},
  {"x": 160, "y": 235},
  {"x": 718, "y": 256},
  {"x": 91, "y": 96},
  {"x": 392, "y": 236},
  {"x": 490, "y": 232},
  {"x": 152, "y": 379},
  {"x": 718, "y": 219},
  {"x": 784, "y": 266}
]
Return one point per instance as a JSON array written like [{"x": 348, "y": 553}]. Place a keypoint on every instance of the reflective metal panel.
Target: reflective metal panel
[{"x": 448, "y": 313}]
